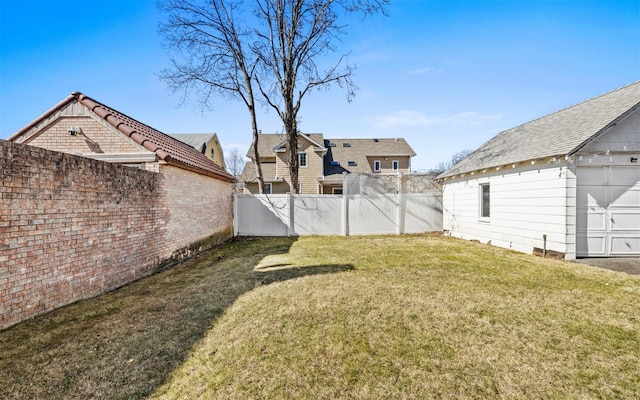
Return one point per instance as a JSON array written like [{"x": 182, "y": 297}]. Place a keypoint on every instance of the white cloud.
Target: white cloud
[{"x": 414, "y": 118}]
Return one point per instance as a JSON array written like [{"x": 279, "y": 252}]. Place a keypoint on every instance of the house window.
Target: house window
[
  {"x": 337, "y": 190},
  {"x": 213, "y": 153},
  {"x": 376, "y": 166},
  {"x": 267, "y": 188},
  {"x": 485, "y": 202},
  {"x": 299, "y": 187},
  {"x": 302, "y": 159},
  {"x": 395, "y": 165}
]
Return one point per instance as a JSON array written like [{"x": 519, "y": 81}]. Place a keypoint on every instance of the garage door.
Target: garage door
[{"x": 608, "y": 211}]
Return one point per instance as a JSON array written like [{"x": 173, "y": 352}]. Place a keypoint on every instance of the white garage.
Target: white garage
[
  {"x": 564, "y": 185},
  {"x": 608, "y": 211}
]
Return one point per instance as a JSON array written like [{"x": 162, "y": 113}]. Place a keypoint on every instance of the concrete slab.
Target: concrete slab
[{"x": 630, "y": 265}]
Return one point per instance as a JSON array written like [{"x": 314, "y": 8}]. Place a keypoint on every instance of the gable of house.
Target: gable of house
[
  {"x": 83, "y": 126},
  {"x": 54, "y": 134},
  {"x": 561, "y": 133}
]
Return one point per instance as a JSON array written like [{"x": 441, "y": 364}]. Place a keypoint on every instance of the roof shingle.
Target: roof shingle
[{"x": 561, "y": 133}]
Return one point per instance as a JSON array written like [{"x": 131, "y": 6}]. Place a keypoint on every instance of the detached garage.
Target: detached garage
[{"x": 566, "y": 185}]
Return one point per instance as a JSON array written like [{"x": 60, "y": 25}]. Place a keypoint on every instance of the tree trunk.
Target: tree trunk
[
  {"x": 291, "y": 129},
  {"x": 254, "y": 145}
]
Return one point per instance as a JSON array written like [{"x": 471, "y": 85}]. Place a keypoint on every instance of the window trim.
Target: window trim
[
  {"x": 481, "y": 201},
  {"x": 378, "y": 164},
  {"x": 268, "y": 188},
  {"x": 395, "y": 165},
  {"x": 333, "y": 190},
  {"x": 306, "y": 159}
]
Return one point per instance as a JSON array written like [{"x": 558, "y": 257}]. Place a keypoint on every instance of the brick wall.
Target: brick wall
[
  {"x": 95, "y": 137},
  {"x": 73, "y": 228},
  {"x": 203, "y": 202}
]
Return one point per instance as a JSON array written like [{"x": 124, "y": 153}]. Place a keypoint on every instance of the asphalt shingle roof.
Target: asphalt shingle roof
[
  {"x": 268, "y": 172},
  {"x": 359, "y": 150},
  {"x": 561, "y": 133},
  {"x": 195, "y": 140},
  {"x": 268, "y": 141},
  {"x": 168, "y": 149}
]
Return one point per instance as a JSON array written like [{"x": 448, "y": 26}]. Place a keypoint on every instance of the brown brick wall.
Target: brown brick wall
[
  {"x": 198, "y": 206},
  {"x": 73, "y": 228},
  {"x": 95, "y": 137}
]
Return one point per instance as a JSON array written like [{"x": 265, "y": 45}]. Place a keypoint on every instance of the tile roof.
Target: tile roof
[
  {"x": 561, "y": 133},
  {"x": 168, "y": 149}
]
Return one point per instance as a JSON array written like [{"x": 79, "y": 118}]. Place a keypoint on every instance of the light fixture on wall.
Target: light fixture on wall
[{"x": 74, "y": 130}]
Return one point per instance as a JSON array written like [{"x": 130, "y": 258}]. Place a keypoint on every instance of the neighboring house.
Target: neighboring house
[
  {"x": 82, "y": 126},
  {"x": 567, "y": 184},
  {"x": 81, "y": 225},
  {"x": 194, "y": 186},
  {"x": 206, "y": 143},
  {"x": 324, "y": 161}
]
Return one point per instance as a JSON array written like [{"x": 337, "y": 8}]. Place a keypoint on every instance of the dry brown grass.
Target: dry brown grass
[{"x": 407, "y": 317}]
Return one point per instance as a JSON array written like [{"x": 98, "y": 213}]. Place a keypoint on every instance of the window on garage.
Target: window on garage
[{"x": 485, "y": 201}]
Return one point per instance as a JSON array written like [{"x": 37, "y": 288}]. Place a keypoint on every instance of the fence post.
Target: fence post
[
  {"x": 400, "y": 209},
  {"x": 235, "y": 214},
  {"x": 345, "y": 205},
  {"x": 292, "y": 220}
]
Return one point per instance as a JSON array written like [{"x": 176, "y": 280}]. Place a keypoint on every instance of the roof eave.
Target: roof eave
[
  {"x": 173, "y": 162},
  {"x": 498, "y": 167},
  {"x": 73, "y": 96}
]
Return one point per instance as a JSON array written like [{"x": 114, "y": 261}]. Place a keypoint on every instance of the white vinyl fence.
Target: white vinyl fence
[{"x": 348, "y": 214}]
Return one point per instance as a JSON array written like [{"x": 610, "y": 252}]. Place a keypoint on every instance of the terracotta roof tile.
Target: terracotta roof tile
[{"x": 166, "y": 148}]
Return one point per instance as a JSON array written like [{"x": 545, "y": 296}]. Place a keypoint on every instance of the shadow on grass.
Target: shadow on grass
[{"x": 126, "y": 343}]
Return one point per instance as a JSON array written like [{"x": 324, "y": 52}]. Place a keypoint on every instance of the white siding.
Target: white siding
[{"x": 526, "y": 203}]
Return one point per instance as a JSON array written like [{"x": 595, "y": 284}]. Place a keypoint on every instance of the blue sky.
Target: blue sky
[{"x": 445, "y": 75}]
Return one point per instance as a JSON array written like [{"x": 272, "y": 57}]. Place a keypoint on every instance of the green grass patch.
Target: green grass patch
[{"x": 394, "y": 317}]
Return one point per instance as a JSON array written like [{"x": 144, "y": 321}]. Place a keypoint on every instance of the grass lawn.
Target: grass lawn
[{"x": 385, "y": 317}]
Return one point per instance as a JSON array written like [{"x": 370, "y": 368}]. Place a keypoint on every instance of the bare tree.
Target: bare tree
[
  {"x": 234, "y": 162},
  {"x": 235, "y": 165},
  {"x": 275, "y": 44},
  {"x": 296, "y": 33},
  {"x": 445, "y": 165},
  {"x": 214, "y": 56}
]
